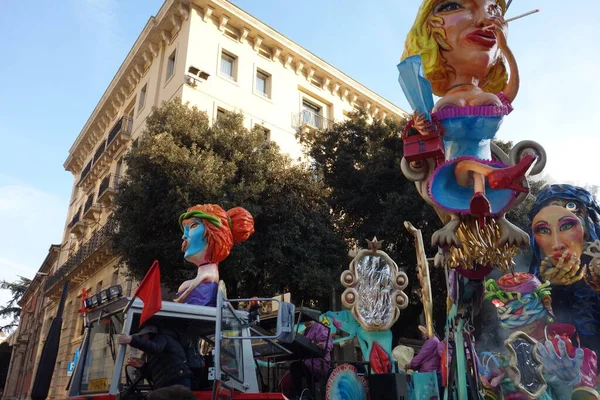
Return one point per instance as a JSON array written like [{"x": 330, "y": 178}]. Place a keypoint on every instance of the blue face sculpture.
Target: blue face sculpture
[{"x": 194, "y": 241}]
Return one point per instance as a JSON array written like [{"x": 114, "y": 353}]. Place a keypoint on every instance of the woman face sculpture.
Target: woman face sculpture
[
  {"x": 449, "y": 37},
  {"x": 470, "y": 45},
  {"x": 194, "y": 241},
  {"x": 557, "y": 230},
  {"x": 577, "y": 201}
]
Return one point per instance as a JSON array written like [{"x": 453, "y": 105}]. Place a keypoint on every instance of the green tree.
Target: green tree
[
  {"x": 11, "y": 309},
  {"x": 359, "y": 162},
  {"x": 181, "y": 161}
]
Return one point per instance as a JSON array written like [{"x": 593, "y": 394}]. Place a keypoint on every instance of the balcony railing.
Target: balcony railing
[
  {"x": 76, "y": 218},
  {"x": 97, "y": 240},
  {"x": 117, "y": 137},
  {"x": 91, "y": 210},
  {"x": 99, "y": 151},
  {"x": 85, "y": 171},
  {"x": 108, "y": 187},
  {"x": 310, "y": 119},
  {"x": 88, "y": 203},
  {"x": 125, "y": 124}
]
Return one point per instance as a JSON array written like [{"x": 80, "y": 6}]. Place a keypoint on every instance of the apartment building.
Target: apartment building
[
  {"x": 211, "y": 54},
  {"x": 27, "y": 339}
]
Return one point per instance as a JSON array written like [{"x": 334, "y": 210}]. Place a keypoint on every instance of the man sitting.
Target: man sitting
[{"x": 166, "y": 362}]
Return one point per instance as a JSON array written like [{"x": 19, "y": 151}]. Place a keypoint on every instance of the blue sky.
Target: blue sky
[{"x": 61, "y": 55}]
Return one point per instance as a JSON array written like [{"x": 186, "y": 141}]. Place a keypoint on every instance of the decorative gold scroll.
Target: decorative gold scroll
[{"x": 423, "y": 274}]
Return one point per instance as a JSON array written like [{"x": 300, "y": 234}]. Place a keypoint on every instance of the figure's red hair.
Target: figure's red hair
[{"x": 236, "y": 226}]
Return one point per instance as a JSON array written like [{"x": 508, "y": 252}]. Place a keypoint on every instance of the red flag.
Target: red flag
[
  {"x": 150, "y": 293},
  {"x": 84, "y": 296}
]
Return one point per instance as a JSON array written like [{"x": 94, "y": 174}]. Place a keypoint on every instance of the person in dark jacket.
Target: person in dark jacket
[{"x": 166, "y": 362}]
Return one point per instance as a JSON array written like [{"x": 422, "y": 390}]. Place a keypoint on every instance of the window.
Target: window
[
  {"x": 171, "y": 65},
  {"x": 311, "y": 114},
  {"x": 229, "y": 65},
  {"x": 115, "y": 277},
  {"x": 97, "y": 361},
  {"x": 263, "y": 83},
  {"x": 221, "y": 113},
  {"x": 266, "y": 132},
  {"x": 143, "y": 97},
  {"x": 311, "y": 107}
]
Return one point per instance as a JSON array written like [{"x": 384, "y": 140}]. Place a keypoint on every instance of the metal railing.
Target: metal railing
[
  {"x": 124, "y": 124},
  {"x": 99, "y": 151},
  {"x": 85, "y": 171},
  {"x": 76, "y": 217},
  {"x": 111, "y": 181},
  {"x": 98, "y": 239},
  {"x": 313, "y": 119},
  {"x": 88, "y": 203}
]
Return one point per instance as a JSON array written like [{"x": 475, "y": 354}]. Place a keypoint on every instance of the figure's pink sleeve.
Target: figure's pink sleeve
[{"x": 505, "y": 101}]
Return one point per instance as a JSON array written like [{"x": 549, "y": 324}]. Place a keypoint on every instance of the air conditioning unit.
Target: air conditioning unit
[{"x": 197, "y": 72}]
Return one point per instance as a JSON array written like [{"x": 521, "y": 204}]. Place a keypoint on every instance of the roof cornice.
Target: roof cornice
[
  {"x": 146, "y": 48},
  {"x": 52, "y": 255},
  {"x": 128, "y": 74},
  {"x": 302, "y": 55}
]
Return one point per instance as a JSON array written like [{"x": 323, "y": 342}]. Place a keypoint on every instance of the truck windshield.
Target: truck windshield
[
  {"x": 231, "y": 361},
  {"x": 99, "y": 362}
]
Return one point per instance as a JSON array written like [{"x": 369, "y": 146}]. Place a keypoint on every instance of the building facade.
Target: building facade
[
  {"x": 27, "y": 339},
  {"x": 219, "y": 58}
]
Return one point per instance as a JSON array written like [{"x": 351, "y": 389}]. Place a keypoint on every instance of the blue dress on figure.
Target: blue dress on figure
[{"x": 468, "y": 132}]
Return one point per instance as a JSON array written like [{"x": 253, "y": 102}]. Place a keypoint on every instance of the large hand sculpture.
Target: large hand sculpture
[{"x": 559, "y": 363}]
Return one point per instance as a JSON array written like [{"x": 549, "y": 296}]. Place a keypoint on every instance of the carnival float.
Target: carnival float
[{"x": 458, "y": 52}]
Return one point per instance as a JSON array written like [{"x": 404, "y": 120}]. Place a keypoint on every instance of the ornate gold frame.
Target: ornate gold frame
[
  {"x": 515, "y": 374},
  {"x": 351, "y": 297}
]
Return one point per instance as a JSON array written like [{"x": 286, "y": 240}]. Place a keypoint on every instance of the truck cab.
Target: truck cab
[{"x": 223, "y": 336}]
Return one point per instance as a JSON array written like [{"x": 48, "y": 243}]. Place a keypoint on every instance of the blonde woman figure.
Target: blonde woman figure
[{"x": 460, "y": 46}]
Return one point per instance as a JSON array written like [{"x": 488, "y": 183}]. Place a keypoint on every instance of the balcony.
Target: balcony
[
  {"x": 91, "y": 210},
  {"x": 93, "y": 254},
  {"x": 85, "y": 172},
  {"x": 118, "y": 137},
  {"x": 77, "y": 225},
  {"x": 108, "y": 189},
  {"x": 308, "y": 121}
]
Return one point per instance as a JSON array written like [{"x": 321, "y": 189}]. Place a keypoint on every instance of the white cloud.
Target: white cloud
[
  {"x": 31, "y": 221},
  {"x": 17, "y": 267}
]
